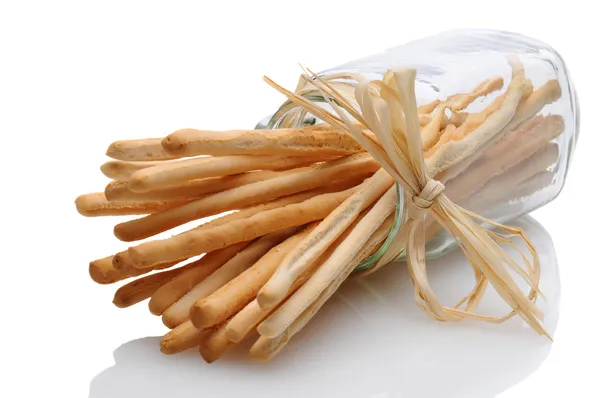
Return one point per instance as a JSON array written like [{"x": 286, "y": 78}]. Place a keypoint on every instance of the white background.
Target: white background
[{"x": 74, "y": 76}]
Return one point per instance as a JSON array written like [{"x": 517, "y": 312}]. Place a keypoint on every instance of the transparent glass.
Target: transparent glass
[{"x": 525, "y": 165}]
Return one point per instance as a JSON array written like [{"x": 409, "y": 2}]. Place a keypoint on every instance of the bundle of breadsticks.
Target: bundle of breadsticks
[{"x": 295, "y": 211}]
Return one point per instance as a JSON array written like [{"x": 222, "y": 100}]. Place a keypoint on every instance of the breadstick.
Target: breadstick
[
  {"x": 215, "y": 343},
  {"x": 446, "y": 154},
  {"x": 335, "y": 266},
  {"x": 455, "y": 118},
  {"x": 299, "y": 259},
  {"x": 120, "y": 170},
  {"x": 142, "y": 288},
  {"x": 529, "y": 107},
  {"x": 280, "y": 142},
  {"x": 245, "y": 321},
  {"x": 428, "y": 108},
  {"x": 181, "y": 338},
  {"x": 96, "y": 205},
  {"x": 119, "y": 190},
  {"x": 180, "y": 310},
  {"x": 265, "y": 348},
  {"x": 195, "y": 242},
  {"x": 290, "y": 182},
  {"x": 194, "y": 273},
  {"x": 173, "y": 174},
  {"x": 511, "y": 150},
  {"x": 233, "y": 296},
  {"x": 431, "y": 132},
  {"x": 459, "y": 102},
  {"x": 139, "y": 150},
  {"x": 103, "y": 271}
]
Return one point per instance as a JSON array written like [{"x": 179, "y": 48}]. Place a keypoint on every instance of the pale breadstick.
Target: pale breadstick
[
  {"x": 96, "y": 205},
  {"x": 142, "y": 288},
  {"x": 121, "y": 170},
  {"x": 181, "y": 338},
  {"x": 428, "y": 108},
  {"x": 139, "y": 150},
  {"x": 280, "y": 142},
  {"x": 103, "y": 271},
  {"x": 119, "y": 190},
  {"x": 335, "y": 266},
  {"x": 529, "y": 107},
  {"x": 245, "y": 321},
  {"x": 195, "y": 242},
  {"x": 180, "y": 310},
  {"x": 439, "y": 158},
  {"x": 214, "y": 343},
  {"x": 431, "y": 132},
  {"x": 455, "y": 118},
  {"x": 290, "y": 182},
  {"x": 511, "y": 150},
  {"x": 233, "y": 296},
  {"x": 299, "y": 259},
  {"x": 173, "y": 174},
  {"x": 458, "y": 102},
  {"x": 194, "y": 273},
  {"x": 265, "y": 348}
]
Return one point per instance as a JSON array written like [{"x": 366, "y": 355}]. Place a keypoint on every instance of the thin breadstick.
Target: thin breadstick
[
  {"x": 299, "y": 259},
  {"x": 290, "y": 182},
  {"x": 431, "y": 132},
  {"x": 103, "y": 271},
  {"x": 214, "y": 343},
  {"x": 246, "y": 320},
  {"x": 280, "y": 142},
  {"x": 446, "y": 154},
  {"x": 195, "y": 242},
  {"x": 335, "y": 266},
  {"x": 96, "y": 205},
  {"x": 180, "y": 310},
  {"x": 265, "y": 348},
  {"x": 193, "y": 274},
  {"x": 121, "y": 170},
  {"x": 142, "y": 288},
  {"x": 139, "y": 150},
  {"x": 119, "y": 190},
  {"x": 181, "y": 338},
  {"x": 428, "y": 108},
  {"x": 529, "y": 107},
  {"x": 173, "y": 174},
  {"x": 459, "y": 102},
  {"x": 511, "y": 150},
  {"x": 233, "y": 296},
  {"x": 455, "y": 118}
]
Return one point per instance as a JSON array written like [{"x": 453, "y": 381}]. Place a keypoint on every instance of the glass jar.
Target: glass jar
[{"x": 524, "y": 164}]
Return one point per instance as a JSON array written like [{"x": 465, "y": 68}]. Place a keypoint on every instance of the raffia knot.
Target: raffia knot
[{"x": 420, "y": 204}]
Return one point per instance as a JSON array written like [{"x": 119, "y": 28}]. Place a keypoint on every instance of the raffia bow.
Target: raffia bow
[{"x": 387, "y": 126}]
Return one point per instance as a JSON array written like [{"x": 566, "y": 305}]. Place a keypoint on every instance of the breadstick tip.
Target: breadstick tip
[
  {"x": 200, "y": 318},
  {"x": 169, "y": 321},
  {"x": 174, "y": 142}
]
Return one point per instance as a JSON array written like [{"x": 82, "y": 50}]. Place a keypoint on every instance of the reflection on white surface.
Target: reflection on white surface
[{"x": 369, "y": 341}]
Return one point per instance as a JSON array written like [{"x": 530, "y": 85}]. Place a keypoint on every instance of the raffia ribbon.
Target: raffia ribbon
[{"x": 388, "y": 109}]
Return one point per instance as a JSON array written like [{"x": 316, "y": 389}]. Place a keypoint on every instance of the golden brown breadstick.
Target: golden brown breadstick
[
  {"x": 458, "y": 102},
  {"x": 333, "y": 267},
  {"x": 431, "y": 132},
  {"x": 299, "y": 259},
  {"x": 265, "y": 348},
  {"x": 138, "y": 150},
  {"x": 428, "y": 108},
  {"x": 280, "y": 142},
  {"x": 121, "y": 170},
  {"x": 290, "y": 182},
  {"x": 181, "y": 338},
  {"x": 175, "y": 173},
  {"x": 195, "y": 242},
  {"x": 119, "y": 190},
  {"x": 226, "y": 301},
  {"x": 96, "y": 205},
  {"x": 215, "y": 343},
  {"x": 180, "y": 310},
  {"x": 142, "y": 288},
  {"x": 194, "y": 273},
  {"x": 103, "y": 271}
]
